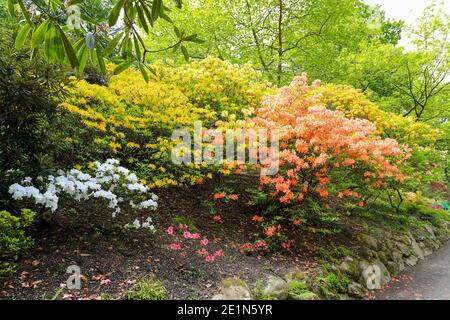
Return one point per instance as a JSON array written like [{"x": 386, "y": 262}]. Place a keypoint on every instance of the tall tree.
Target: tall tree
[{"x": 280, "y": 37}]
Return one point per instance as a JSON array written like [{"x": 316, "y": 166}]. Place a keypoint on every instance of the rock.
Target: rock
[
  {"x": 416, "y": 248},
  {"x": 411, "y": 261},
  {"x": 370, "y": 277},
  {"x": 277, "y": 288},
  {"x": 370, "y": 241},
  {"x": 350, "y": 267},
  {"x": 403, "y": 248},
  {"x": 382, "y": 256},
  {"x": 296, "y": 274},
  {"x": 356, "y": 290},
  {"x": 385, "y": 274},
  {"x": 393, "y": 267},
  {"x": 233, "y": 289},
  {"x": 374, "y": 275},
  {"x": 430, "y": 230},
  {"x": 427, "y": 251}
]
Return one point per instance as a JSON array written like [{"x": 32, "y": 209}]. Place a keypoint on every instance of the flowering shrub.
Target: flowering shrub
[
  {"x": 259, "y": 246},
  {"x": 323, "y": 153},
  {"x": 355, "y": 104},
  {"x": 427, "y": 164},
  {"x": 12, "y": 235},
  {"x": 133, "y": 120},
  {"x": 186, "y": 242},
  {"x": 109, "y": 182}
]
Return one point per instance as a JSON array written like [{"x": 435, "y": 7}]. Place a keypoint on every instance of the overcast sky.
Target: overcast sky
[{"x": 406, "y": 10}]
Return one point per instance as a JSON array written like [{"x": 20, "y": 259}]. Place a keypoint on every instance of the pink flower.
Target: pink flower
[
  {"x": 188, "y": 235},
  {"x": 105, "y": 281},
  {"x": 170, "y": 230},
  {"x": 218, "y": 253},
  {"x": 175, "y": 246},
  {"x": 204, "y": 242}
]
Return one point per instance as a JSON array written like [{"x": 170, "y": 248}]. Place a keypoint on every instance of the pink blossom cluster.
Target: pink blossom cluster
[{"x": 186, "y": 241}]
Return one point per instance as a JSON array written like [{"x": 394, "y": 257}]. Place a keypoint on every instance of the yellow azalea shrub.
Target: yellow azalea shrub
[
  {"x": 133, "y": 120},
  {"x": 355, "y": 104}
]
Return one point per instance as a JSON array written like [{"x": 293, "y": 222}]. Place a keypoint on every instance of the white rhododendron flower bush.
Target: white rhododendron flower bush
[{"x": 109, "y": 181}]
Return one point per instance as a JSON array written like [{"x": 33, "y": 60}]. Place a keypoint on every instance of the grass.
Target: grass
[{"x": 148, "y": 289}]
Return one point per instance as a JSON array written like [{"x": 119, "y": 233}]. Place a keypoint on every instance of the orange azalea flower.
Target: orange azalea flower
[
  {"x": 270, "y": 231},
  {"x": 257, "y": 218},
  {"x": 219, "y": 195},
  {"x": 217, "y": 218},
  {"x": 361, "y": 204},
  {"x": 348, "y": 162},
  {"x": 234, "y": 197},
  {"x": 296, "y": 222},
  {"x": 323, "y": 193},
  {"x": 200, "y": 181}
]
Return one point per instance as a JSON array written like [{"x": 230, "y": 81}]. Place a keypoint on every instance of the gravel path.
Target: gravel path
[{"x": 428, "y": 280}]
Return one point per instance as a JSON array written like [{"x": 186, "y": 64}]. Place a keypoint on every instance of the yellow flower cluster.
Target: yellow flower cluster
[
  {"x": 355, "y": 104},
  {"x": 133, "y": 120}
]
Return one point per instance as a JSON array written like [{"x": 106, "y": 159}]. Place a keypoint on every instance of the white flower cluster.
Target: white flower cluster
[
  {"x": 148, "y": 224},
  {"x": 109, "y": 179}
]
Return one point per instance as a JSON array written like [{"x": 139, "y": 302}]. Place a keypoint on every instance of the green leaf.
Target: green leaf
[
  {"x": 114, "y": 14},
  {"x": 11, "y": 8},
  {"x": 94, "y": 57},
  {"x": 39, "y": 34},
  {"x": 89, "y": 19},
  {"x": 143, "y": 72},
  {"x": 22, "y": 35},
  {"x": 147, "y": 12},
  {"x": 142, "y": 19},
  {"x": 82, "y": 58},
  {"x": 156, "y": 9},
  {"x": 113, "y": 44},
  {"x": 25, "y": 12},
  {"x": 185, "y": 53},
  {"x": 68, "y": 48},
  {"x": 122, "y": 67},
  {"x": 137, "y": 47},
  {"x": 177, "y": 31},
  {"x": 176, "y": 47},
  {"x": 165, "y": 17},
  {"x": 101, "y": 61}
]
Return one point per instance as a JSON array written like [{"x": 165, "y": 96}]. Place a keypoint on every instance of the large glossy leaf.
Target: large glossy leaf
[
  {"x": 122, "y": 67},
  {"x": 114, "y": 14},
  {"x": 68, "y": 48},
  {"x": 39, "y": 34},
  {"x": 185, "y": 53},
  {"x": 156, "y": 9},
  {"x": 113, "y": 44},
  {"x": 22, "y": 35}
]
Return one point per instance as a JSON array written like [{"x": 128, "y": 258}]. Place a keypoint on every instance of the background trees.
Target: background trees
[{"x": 281, "y": 37}]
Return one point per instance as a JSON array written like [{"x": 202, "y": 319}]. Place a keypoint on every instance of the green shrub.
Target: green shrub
[
  {"x": 12, "y": 235},
  {"x": 299, "y": 291},
  {"x": 333, "y": 284},
  {"x": 148, "y": 289},
  {"x": 29, "y": 92}
]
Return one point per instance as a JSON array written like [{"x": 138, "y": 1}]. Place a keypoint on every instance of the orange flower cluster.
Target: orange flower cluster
[{"x": 321, "y": 151}]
